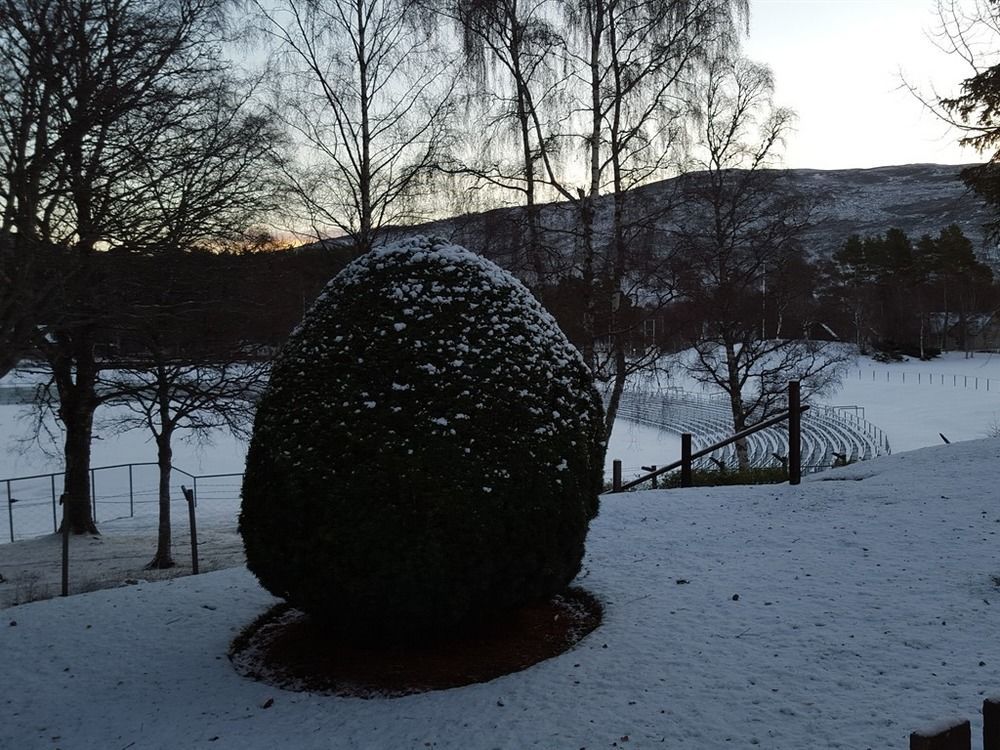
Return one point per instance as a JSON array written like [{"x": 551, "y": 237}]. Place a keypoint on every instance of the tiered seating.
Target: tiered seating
[{"x": 826, "y": 431}]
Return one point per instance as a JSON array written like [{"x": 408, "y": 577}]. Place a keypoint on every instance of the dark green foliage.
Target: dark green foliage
[
  {"x": 977, "y": 108},
  {"x": 718, "y": 478},
  {"x": 902, "y": 297},
  {"x": 428, "y": 451},
  {"x": 890, "y": 351}
]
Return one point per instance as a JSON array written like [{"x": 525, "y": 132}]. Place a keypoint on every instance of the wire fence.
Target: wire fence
[
  {"x": 902, "y": 377},
  {"x": 118, "y": 491},
  {"x": 36, "y": 563}
]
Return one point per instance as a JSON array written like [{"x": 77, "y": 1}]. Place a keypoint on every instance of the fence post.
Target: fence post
[
  {"x": 10, "y": 511},
  {"x": 956, "y": 737},
  {"x": 686, "y": 459},
  {"x": 655, "y": 480},
  {"x": 616, "y": 476},
  {"x": 131, "y": 502},
  {"x": 55, "y": 521},
  {"x": 65, "y": 547},
  {"x": 794, "y": 433},
  {"x": 189, "y": 496},
  {"x": 991, "y": 724}
]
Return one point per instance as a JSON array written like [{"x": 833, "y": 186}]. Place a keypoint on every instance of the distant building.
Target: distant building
[{"x": 981, "y": 331}]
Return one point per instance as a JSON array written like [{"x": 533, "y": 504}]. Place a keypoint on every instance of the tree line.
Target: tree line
[{"x": 912, "y": 297}]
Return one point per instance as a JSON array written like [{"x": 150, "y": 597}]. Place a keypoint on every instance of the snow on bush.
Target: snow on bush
[{"x": 429, "y": 450}]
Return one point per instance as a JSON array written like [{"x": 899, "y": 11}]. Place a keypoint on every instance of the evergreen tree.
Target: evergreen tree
[
  {"x": 971, "y": 33},
  {"x": 957, "y": 280}
]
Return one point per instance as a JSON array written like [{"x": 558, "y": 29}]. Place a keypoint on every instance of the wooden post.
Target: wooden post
[
  {"x": 654, "y": 480},
  {"x": 991, "y": 724},
  {"x": 55, "y": 520},
  {"x": 10, "y": 511},
  {"x": 956, "y": 737},
  {"x": 189, "y": 496},
  {"x": 794, "y": 433},
  {"x": 686, "y": 459},
  {"x": 616, "y": 476},
  {"x": 65, "y": 547}
]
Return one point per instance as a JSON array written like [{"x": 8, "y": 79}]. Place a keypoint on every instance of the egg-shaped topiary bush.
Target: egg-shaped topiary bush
[{"x": 429, "y": 449}]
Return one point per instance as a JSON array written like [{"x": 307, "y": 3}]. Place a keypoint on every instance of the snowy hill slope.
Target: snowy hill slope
[{"x": 917, "y": 198}]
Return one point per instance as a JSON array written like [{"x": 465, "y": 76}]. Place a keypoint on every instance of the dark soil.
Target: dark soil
[{"x": 285, "y": 648}]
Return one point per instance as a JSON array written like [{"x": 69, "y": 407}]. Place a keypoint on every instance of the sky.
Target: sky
[{"x": 840, "y": 65}]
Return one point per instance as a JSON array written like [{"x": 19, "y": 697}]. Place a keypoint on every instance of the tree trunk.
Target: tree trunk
[
  {"x": 946, "y": 323},
  {"x": 617, "y": 388},
  {"x": 736, "y": 406},
  {"x": 164, "y": 458},
  {"x": 588, "y": 278},
  {"x": 77, "y": 404},
  {"x": 923, "y": 354},
  {"x": 535, "y": 261},
  {"x": 588, "y": 200},
  {"x": 365, "y": 209},
  {"x": 78, "y": 420}
]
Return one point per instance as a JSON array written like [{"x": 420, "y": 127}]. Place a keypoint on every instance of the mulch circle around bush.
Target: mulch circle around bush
[{"x": 287, "y": 649}]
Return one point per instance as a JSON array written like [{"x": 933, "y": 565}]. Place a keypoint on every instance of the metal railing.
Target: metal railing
[
  {"x": 792, "y": 415},
  {"x": 831, "y": 435},
  {"x": 38, "y": 491}
]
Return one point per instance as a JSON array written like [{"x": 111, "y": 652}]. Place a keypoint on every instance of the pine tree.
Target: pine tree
[{"x": 975, "y": 110}]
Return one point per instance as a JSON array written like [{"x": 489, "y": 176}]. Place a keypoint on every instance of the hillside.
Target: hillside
[{"x": 917, "y": 198}]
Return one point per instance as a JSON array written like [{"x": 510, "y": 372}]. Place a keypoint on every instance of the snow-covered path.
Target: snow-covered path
[{"x": 867, "y": 607}]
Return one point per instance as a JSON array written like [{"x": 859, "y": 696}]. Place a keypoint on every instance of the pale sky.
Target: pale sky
[{"x": 839, "y": 64}]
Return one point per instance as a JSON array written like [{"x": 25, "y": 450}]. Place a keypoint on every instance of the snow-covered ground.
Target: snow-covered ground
[
  {"x": 866, "y": 609},
  {"x": 912, "y": 402},
  {"x": 844, "y": 612}
]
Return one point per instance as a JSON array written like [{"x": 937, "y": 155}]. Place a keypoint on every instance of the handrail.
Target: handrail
[
  {"x": 710, "y": 449},
  {"x": 8, "y": 483},
  {"x": 93, "y": 468}
]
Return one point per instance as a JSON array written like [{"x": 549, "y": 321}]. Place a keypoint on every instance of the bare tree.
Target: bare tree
[
  {"x": 735, "y": 245},
  {"x": 636, "y": 65},
  {"x": 366, "y": 98},
  {"x": 167, "y": 392},
  {"x": 97, "y": 94},
  {"x": 512, "y": 50}
]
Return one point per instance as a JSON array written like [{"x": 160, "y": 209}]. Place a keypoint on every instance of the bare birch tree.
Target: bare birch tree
[
  {"x": 361, "y": 89},
  {"x": 735, "y": 245},
  {"x": 636, "y": 64}
]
